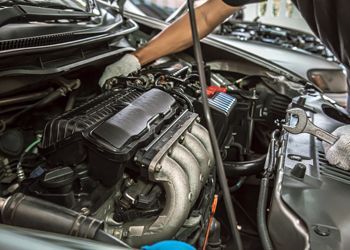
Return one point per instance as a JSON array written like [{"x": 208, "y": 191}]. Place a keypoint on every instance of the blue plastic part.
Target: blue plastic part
[
  {"x": 169, "y": 245},
  {"x": 37, "y": 172}
]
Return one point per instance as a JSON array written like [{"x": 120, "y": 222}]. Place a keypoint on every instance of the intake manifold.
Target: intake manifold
[{"x": 181, "y": 167}]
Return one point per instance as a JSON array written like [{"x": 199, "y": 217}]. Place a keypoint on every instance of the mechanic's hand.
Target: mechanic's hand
[
  {"x": 339, "y": 153},
  {"x": 126, "y": 65}
]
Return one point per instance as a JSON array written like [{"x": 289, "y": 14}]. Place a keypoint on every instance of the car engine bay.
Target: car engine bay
[
  {"x": 132, "y": 163},
  {"x": 276, "y": 36}
]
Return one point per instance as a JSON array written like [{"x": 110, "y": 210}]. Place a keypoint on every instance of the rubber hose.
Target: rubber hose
[
  {"x": 262, "y": 203},
  {"x": 245, "y": 168}
]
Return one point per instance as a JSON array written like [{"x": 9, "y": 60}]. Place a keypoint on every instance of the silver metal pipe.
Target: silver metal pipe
[
  {"x": 178, "y": 168},
  {"x": 203, "y": 135},
  {"x": 191, "y": 167},
  {"x": 174, "y": 180},
  {"x": 199, "y": 151}
]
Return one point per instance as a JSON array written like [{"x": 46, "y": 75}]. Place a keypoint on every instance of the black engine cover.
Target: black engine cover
[{"x": 107, "y": 131}]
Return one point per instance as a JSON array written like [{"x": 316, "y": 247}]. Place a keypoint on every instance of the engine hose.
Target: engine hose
[
  {"x": 30, "y": 212},
  {"x": 262, "y": 203},
  {"x": 53, "y": 96},
  {"x": 263, "y": 195},
  {"x": 245, "y": 168},
  {"x": 185, "y": 98}
]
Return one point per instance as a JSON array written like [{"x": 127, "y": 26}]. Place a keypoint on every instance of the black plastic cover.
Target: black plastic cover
[
  {"x": 107, "y": 131},
  {"x": 132, "y": 121}
]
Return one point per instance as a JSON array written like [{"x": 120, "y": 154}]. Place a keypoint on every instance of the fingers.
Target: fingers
[
  {"x": 125, "y": 66},
  {"x": 339, "y": 153}
]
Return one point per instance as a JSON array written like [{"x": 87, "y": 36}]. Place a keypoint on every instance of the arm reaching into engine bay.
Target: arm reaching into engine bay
[
  {"x": 174, "y": 38},
  {"x": 339, "y": 153}
]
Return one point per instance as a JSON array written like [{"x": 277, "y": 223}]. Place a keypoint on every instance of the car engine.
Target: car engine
[
  {"x": 87, "y": 151},
  {"x": 132, "y": 164}
]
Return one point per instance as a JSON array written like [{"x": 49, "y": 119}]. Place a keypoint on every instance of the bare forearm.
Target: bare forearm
[{"x": 178, "y": 36}]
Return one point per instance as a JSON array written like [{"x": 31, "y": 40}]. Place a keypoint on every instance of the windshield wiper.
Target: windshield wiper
[
  {"x": 18, "y": 13},
  {"x": 44, "y": 4}
]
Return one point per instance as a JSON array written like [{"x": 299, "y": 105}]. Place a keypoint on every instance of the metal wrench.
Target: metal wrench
[{"x": 304, "y": 125}]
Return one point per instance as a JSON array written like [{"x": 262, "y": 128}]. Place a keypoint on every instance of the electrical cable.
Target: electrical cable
[
  {"x": 20, "y": 171},
  {"x": 219, "y": 164}
]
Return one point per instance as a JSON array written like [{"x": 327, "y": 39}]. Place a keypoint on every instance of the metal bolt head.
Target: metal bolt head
[
  {"x": 158, "y": 168},
  {"x": 190, "y": 196},
  {"x": 181, "y": 139},
  {"x": 125, "y": 233},
  {"x": 322, "y": 230},
  {"x": 84, "y": 211},
  {"x": 129, "y": 182}
]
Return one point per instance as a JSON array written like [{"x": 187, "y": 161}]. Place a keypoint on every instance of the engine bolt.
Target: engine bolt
[
  {"x": 322, "y": 230},
  {"x": 84, "y": 211},
  {"x": 125, "y": 234},
  {"x": 129, "y": 182},
  {"x": 201, "y": 177},
  {"x": 182, "y": 138},
  {"x": 158, "y": 168},
  {"x": 190, "y": 196},
  {"x": 198, "y": 119}
]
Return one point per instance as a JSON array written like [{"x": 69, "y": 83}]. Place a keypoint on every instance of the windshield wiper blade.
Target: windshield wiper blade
[
  {"x": 19, "y": 13},
  {"x": 39, "y": 4}
]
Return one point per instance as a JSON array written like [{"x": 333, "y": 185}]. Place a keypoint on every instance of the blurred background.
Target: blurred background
[{"x": 281, "y": 12}]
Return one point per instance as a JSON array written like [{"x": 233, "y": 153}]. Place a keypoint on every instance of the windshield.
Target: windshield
[{"x": 76, "y": 5}]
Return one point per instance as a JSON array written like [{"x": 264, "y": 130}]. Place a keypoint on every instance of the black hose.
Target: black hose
[
  {"x": 263, "y": 195},
  {"x": 51, "y": 97},
  {"x": 185, "y": 98},
  {"x": 219, "y": 164},
  {"x": 71, "y": 101},
  {"x": 245, "y": 168},
  {"x": 262, "y": 225},
  {"x": 24, "y": 98}
]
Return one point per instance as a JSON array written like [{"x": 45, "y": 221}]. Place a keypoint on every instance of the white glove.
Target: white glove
[
  {"x": 339, "y": 153},
  {"x": 126, "y": 65}
]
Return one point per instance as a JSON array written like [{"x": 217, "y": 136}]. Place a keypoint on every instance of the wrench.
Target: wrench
[{"x": 304, "y": 125}]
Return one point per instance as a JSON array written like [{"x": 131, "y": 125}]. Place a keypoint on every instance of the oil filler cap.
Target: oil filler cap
[{"x": 58, "y": 178}]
